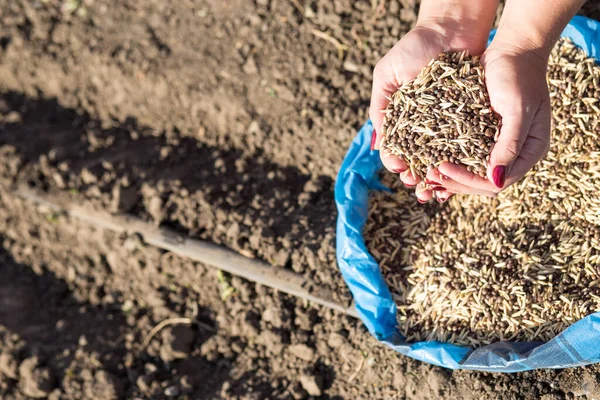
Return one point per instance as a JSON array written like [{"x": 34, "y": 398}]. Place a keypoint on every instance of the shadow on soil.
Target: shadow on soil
[
  {"x": 229, "y": 180},
  {"x": 42, "y": 311}
]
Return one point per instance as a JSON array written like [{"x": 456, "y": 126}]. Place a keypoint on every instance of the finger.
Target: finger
[
  {"x": 382, "y": 90},
  {"x": 456, "y": 179},
  {"x": 507, "y": 98},
  {"x": 443, "y": 196},
  {"x": 409, "y": 179},
  {"x": 536, "y": 145},
  {"x": 423, "y": 195},
  {"x": 392, "y": 163}
]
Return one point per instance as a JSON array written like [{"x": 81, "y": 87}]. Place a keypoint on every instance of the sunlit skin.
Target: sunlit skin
[{"x": 515, "y": 65}]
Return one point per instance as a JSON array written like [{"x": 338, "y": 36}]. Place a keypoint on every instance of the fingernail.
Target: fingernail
[
  {"x": 398, "y": 170},
  {"x": 421, "y": 201},
  {"x": 409, "y": 186},
  {"x": 373, "y": 139},
  {"x": 428, "y": 182},
  {"x": 499, "y": 176},
  {"x": 438, "y": 189},
  {"x": 443, "y": 200}
]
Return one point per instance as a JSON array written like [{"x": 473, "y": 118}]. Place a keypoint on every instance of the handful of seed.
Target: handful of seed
[
  {"x": 443, "y": 115},
  {"x": 519, "y": 267}
]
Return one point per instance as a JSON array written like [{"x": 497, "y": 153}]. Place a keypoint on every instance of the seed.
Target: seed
[
  {"x": 446, "y": 120},
  {"x": 522, "y": 266}
]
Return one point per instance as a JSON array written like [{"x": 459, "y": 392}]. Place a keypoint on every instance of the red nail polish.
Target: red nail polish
[
  {"x": 421, "y": 201},
  {"x": 428, "y": 182},
  {"x": 398, "y": 170},
  {"x": 373, "y": 139},
  {"x": 442, "y": 200},
  {"x": 409, "y": 186},
  {"x": 499, "y": 176},
  {"x": 438, "y": 189}
]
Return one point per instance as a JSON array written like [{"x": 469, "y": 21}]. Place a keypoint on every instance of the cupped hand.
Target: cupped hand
[
  {"x": 516, "y": 82},
  {"x": 402, "y": 64}
]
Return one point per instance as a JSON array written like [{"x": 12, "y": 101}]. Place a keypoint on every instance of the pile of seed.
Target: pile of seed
[
  {"x": 444, "y": 114},
  {"x": 519, "y": 267}
]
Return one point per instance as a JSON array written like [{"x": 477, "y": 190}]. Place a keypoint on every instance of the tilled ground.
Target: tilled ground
[{"x": 227, "y": 121}]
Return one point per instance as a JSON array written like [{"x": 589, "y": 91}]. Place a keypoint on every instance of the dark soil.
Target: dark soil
[{"x": 225, "y": 120}]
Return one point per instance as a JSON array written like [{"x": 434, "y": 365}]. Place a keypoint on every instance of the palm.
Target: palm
[{"x": 401, "y": 64}]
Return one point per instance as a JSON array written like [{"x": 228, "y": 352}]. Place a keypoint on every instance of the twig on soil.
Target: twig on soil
[
  {"x": 298, "y": 7},
  {"x": 174, "y": 321},
  {"x": 356, "y": 37},
  {"x": 358, "y": 369},
  {"x": 377, "y": 9},
  {"x": 341, "y": 48}
]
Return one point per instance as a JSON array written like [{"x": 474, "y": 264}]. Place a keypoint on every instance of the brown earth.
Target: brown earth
[{"x": 226, "y": 120}]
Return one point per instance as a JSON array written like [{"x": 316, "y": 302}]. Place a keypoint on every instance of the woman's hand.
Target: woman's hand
[
  {"x": 401, "y": 64},
  {"x": 515, "y": 68},
  {"x": 516, "y": 82}
]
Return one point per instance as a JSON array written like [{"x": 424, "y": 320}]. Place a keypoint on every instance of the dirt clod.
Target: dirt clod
[
  {"x": 311, "y": 384},
  {"x": 35, "y": 380},
  {"x": 176, "y": 342},
  {"x": 105, "y": 386},
  {"x": 9, "y": 365},
  {"x": 302, "y": 351}
]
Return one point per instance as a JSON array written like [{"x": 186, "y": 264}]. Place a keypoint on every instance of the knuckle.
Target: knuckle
[
  {"x": 511, "y": 150},
  {"x": 378, "y": 70}
]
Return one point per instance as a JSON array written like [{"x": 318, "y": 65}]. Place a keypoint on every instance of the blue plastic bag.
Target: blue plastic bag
[{"x": 576, "y": 346}]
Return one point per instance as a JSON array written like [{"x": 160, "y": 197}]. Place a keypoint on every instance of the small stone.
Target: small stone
[
  {"x": 249, "y": 67},
  {"x": 302, "y": 351},
  {"x": 172, "y": 391},
  {"x": 273, "y": 316},
  {"x": 105, "y": 386},
  {"x": 350, "y": 66},
  {"x": 335, "y": 340},
  {"x": 143, "y": 383},
  {"x": 312, "y": 384},
  {"x": 87, "y": 177},
  {"x": 59, "y": 180}
]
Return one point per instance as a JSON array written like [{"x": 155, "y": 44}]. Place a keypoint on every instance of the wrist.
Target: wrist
[
  {"x": 464, "y": 25},
  {"x": 520, "y": 42},
  {"x": 524, "y": 47}
]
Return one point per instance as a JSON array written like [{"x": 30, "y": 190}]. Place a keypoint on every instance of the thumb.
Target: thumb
[
  {"x": 382, "y": 89},
  {"x": 516, "y": 122}
]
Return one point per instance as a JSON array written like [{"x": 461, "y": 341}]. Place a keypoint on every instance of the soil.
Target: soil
[{"x": 227, "y": 121}]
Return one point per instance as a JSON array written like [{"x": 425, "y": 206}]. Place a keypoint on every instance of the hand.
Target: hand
[
  {"x": 401, "y": 64},
  {"x": 516, "y": 82}
]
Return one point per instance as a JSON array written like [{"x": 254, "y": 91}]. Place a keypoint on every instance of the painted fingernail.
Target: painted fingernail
[
  {"x": 438, "y": 188},
  {"x": 373, "y": 139},
  {"x": 398, "y": 170},
  {"x": 421, "y": 201},
  {"x": 499, "y": 176},
  {"x": 409, "y": 186},
  {"x": 428, "y": 182}
]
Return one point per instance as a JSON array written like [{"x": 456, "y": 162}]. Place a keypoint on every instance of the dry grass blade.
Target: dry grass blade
[{"x": 341, "y": 48}]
